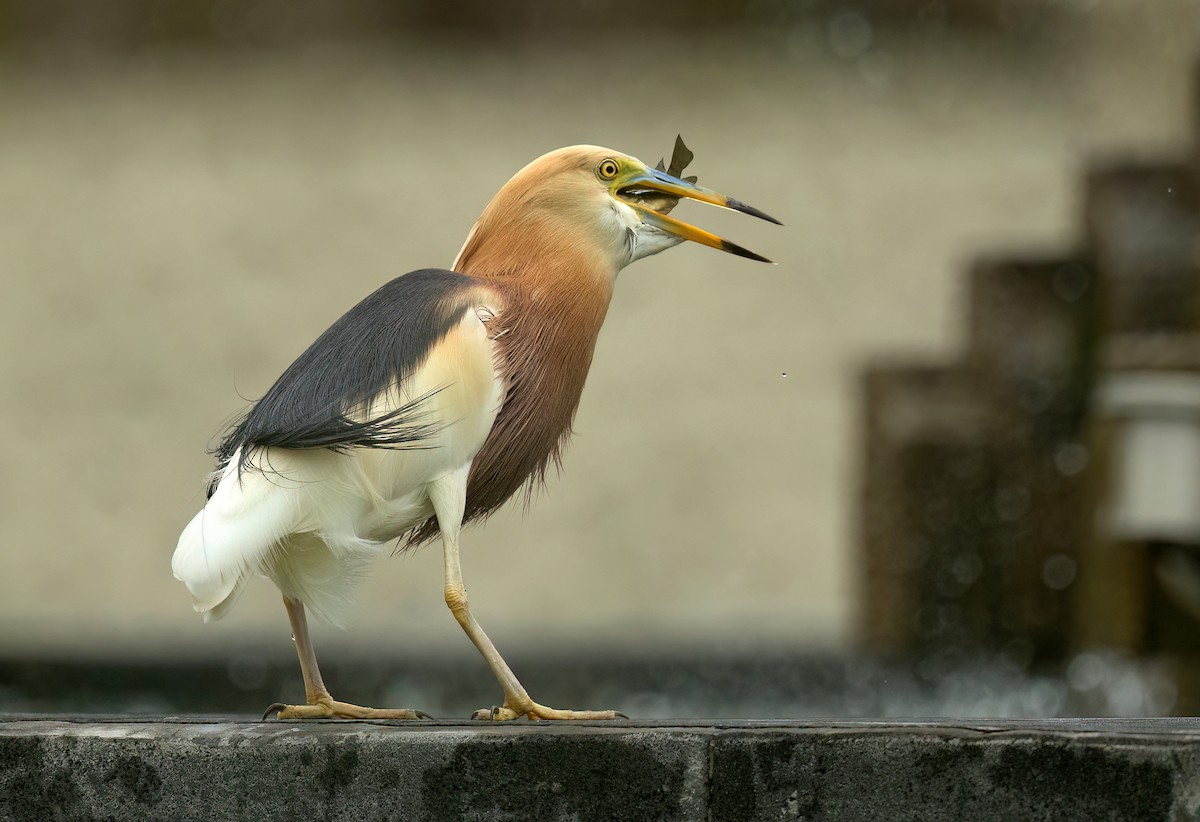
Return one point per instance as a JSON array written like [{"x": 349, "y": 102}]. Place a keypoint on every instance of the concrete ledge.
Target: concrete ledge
[{"x": 204, "y": 769}]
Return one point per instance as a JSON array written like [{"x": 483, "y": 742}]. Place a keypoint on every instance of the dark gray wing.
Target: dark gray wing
[{"x": 320, "y": 401}]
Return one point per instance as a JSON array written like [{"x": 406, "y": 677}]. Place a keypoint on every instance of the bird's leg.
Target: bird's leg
[
  {"x": 320, "y": 705},
  {"x": 517, "y": 702},
  {"x": 448, "y": 496}
]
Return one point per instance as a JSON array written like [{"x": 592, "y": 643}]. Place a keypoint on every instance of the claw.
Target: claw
[{"x": 275, "y": 708}]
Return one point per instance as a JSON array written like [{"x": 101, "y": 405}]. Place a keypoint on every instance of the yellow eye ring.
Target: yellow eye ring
[{"x": 607, "y": 169}]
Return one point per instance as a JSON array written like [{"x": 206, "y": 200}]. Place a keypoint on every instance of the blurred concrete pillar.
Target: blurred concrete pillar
[
  {"x": 1196, "y": 118},
  {"x": 1140, "y": 570},
  {"x": 1143, "y": 227},
  {"x": 972, "y": 484},
  {"x": 1155, "y": 494},
  {"x": 1031, "y": 349},
  {"x": 927, "y": 497},
  {"x": 1142, "y": 224},
  {"x": 1140, "y": 575}
]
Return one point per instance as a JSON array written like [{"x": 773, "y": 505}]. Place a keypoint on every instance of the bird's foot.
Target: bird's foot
[
  {"x": 513, "y": 709},
  {"x": 331, "y": 709}
]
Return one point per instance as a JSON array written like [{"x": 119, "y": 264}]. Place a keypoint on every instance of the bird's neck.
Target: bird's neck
[
  {"x": 550, "y": 316},
  {"x": 552, "y": 304},
  {"x": 554, "y": 275}
]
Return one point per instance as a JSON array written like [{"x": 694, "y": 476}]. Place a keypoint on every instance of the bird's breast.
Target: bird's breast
[
  {"x": 543, "y": 348},
  {"x": 462, "y": 393}
]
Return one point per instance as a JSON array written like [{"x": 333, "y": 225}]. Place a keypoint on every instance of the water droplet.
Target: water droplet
[
  {"x": 247, "y": 671},
  {"x": 1086, "y": 672},
  {"x": 783, "y": 374},
  {"x": 1070, "y": 458},
  {"x": 876, "y": 68},
  {"x": 966, "y": 568},
  {"x": 1071, "y": 281},
  {"x": 1058, "y": 572},
  {"x": 849, "y": 34}
]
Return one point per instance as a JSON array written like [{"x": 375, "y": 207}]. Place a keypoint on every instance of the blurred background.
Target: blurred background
[{"x": 884, "y": 477}]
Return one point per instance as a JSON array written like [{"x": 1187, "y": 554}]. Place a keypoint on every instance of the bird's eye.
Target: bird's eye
[{"x": 607, "y": 169}]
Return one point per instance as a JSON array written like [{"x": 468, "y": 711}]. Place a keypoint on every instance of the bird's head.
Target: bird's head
[{"x": 595, "y": 201}]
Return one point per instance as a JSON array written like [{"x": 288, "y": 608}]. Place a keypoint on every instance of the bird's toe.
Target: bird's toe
[
  {"x": 536, "y": 711},
  {"x": 331, "y": 709}
]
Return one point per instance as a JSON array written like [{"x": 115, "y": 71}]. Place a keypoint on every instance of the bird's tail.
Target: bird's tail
[{"x": 233, "y": 536}]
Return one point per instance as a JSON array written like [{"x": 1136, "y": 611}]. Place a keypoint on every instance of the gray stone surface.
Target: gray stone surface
[{"x": 90, "y": 768}]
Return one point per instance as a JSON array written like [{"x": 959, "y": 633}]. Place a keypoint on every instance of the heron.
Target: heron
[{"x": 430, "y": 404}]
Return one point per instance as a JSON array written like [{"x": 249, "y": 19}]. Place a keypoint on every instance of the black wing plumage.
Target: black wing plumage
[{"x": 321, "y": 399}]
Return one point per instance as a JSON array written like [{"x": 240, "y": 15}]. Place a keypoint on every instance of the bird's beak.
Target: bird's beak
[{"x": 639, "y": 189}]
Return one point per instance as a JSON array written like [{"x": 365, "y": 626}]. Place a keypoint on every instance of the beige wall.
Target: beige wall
[{"x": 177, "y": 228}]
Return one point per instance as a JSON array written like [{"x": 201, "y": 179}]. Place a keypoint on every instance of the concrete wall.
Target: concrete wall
[{"x": 841, "y": 772}]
